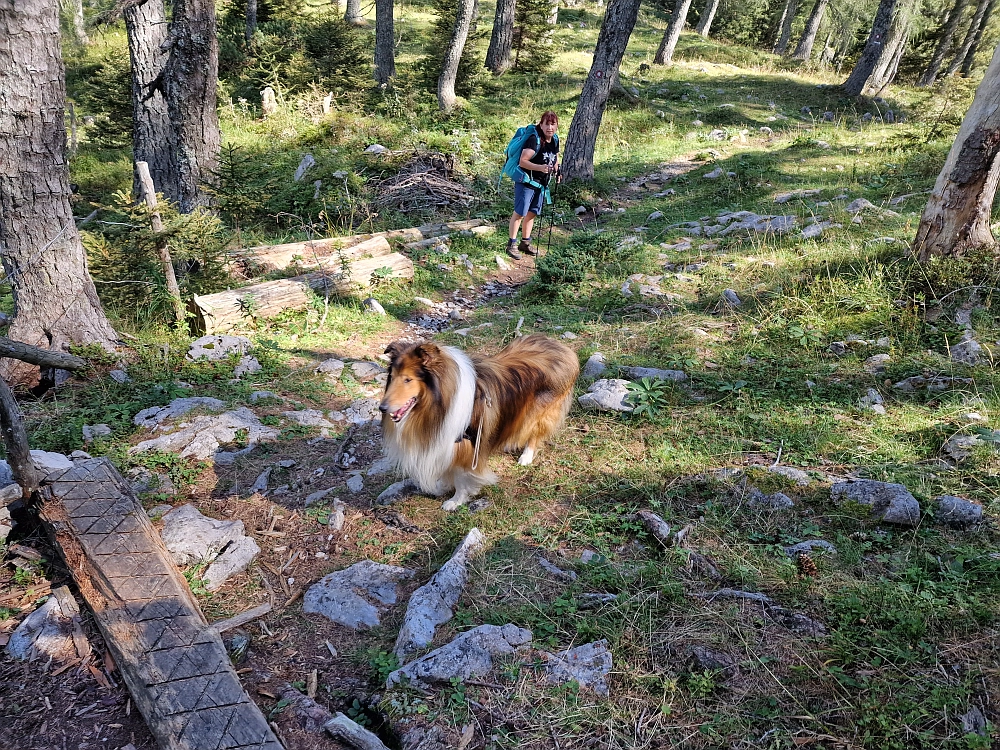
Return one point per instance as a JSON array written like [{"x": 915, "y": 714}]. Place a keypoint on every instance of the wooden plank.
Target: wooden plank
[
  {"x": 173, "y": 662},
  {"x": 234, "y": 308}
]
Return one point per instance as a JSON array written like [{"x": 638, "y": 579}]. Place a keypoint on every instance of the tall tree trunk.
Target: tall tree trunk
[
  {"x": 826, "y": 56},
  {"x": 619, "y": 20},
  {"x": 55, "y": 302},
  {"x": 707, "y": 16},
  {"x": 970, "y": 56},
  {"x": 665, "y": 52},
  {"x": 190, "y": 80},
  {"x": 886, "y": 44},
  {"x": 251, "y": 28},
  {"x": 970, "y": 35},
  {"x": 453, "y": 55},
  {"x": 895, "y": 48},
  {"x": 75, "y": 10},
  {"x": 785, "y": 26},
  {"x": 803, "y": 50},
  {"x": 957, "y": 216},
  {"x": 944, "y": 43},
  {"x": 385, "y": 42},
  {"x": 146, "y": 28},
  {"x": 502, "y": 39},
  {"x": 353, "y": 13}
]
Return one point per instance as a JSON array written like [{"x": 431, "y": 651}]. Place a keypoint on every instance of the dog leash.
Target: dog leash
[{"x": 479, "y": 434}]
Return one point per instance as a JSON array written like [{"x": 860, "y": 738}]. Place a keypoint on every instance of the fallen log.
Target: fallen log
[
  {"x": 264, "y": 258},
  {"x": 173, "y": 663},
  {"x": 316, "y": 253},
  {"x": 41, "y": 357},
  {"x": 234, "y": 308}
]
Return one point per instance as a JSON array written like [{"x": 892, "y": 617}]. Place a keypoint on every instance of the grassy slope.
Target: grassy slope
[{"x": 912, "y": 614}]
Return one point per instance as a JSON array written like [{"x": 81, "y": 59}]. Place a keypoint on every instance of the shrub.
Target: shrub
[
  {"x": 291, "y": 53},
  {"x": 562, "y": 266},
  {"x": 125, "y": 265}
]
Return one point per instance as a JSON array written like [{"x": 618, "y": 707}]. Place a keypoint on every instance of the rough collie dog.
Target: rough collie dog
[{"x": 445, "y": 412}]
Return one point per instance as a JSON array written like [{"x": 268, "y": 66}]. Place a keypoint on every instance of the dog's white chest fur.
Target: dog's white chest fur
[{"x": 430, "y": 460}]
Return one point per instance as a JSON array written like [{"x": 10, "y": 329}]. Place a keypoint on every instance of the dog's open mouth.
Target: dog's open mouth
[{"x": 402, "y": 411}]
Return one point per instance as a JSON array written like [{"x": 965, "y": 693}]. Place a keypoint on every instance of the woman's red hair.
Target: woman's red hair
[{"x": 548, "y": 115}]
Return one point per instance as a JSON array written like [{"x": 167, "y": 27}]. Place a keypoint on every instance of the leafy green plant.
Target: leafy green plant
[
  {"x": 648, "y": 396},
  {"x": 356, "y": 711},
  {"x": 804, "y": 334},
  {"x": 702, "y": 684},
  {"x": 456, "y": 693},
  {"x": 383, "y": 662},
  {"x": 734, "y": 387},
  {"x": 195, "y": 577}
]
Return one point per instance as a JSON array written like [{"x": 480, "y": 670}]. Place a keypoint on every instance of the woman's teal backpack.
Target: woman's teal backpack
[{"x": 512, "y": 167}]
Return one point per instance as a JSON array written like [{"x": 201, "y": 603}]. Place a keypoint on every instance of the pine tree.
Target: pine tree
[{"x": 532, "y": 36}]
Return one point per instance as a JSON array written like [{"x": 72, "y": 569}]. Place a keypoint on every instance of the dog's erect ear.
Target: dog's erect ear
[
  {"x": 394, "y": 350},
  {"x": 430, "y": 354}
]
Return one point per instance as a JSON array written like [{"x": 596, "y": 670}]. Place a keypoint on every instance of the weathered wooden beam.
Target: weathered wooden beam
[
  {"x": 234, "y": 308},
  {"x": 326, "y": 253},
  {"x": 265, "y": 258},
  {"x": 174, "y": 664},
  {"x": 40, "y": 357}
]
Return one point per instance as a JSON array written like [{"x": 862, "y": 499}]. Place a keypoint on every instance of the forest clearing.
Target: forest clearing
[{"x": 771, "y": 517}]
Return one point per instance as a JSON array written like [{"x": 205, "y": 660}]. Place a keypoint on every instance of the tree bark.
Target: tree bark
[
  {"x": 75, "y": 9},
  {"x": 619, "y": 20},
  {"x": 803, "y": 50},
  {"x": 826, "y": 56},
  {"x": 785, "y": 27},
  {"x": 707, "y": 16},
  {"x": 970, "y": 36},
  {"x": 877, "y": 65},
  {"x": 251, "y": 28},
  {"x": 385, "y": 42},
  {"x": 190, "y": 80},
  {"x": 453, "y": 54},
  {"x": 970, "y": 56},
  {"x": 502, "y": 39},
  {"x": 55, "y": 302},
  {"x": 665, "y": 53},
  {"x": 146, "y": 28},
  {"x": 944, "y": 43},
  {"x": 353, "y": 13},
  {"x": 957, "y": 216}
]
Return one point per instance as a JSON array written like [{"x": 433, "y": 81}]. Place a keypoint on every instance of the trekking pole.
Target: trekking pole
[{"x": 552, "y": 218}]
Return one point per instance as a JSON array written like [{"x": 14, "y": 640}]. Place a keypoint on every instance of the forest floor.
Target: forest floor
[{"x": 826, "y": 326}]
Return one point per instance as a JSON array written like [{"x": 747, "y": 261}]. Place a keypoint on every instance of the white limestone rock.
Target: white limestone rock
[
  {"x": 356, "y": 596},
  {"x": 434, "y": 603}
]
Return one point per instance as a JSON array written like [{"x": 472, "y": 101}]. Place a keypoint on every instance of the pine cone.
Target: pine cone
[{"x": 806, "y": 566}]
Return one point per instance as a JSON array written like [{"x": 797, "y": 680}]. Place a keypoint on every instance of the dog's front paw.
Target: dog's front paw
[
  {"x": 526, "y": 457},
  {"x": 453, "y": 504}
]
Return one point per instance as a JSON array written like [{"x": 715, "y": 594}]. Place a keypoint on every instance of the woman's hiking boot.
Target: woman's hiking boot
[
  {"x": 512, "y": 250},
  {"x": 527, "y": 248}
]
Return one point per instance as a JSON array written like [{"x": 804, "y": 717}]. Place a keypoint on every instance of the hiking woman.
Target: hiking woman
[{"x": 539, "y": 160}]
